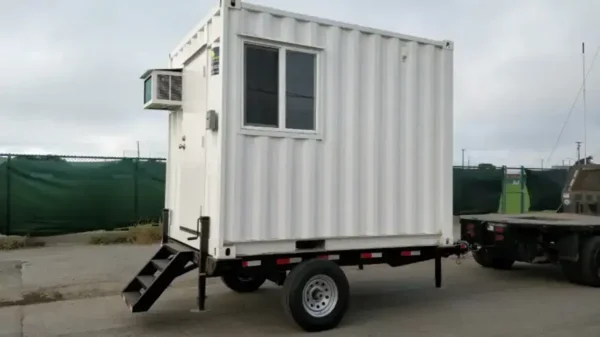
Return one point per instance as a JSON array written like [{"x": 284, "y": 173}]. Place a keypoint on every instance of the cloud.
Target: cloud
[{"x": 70, "y": 70}]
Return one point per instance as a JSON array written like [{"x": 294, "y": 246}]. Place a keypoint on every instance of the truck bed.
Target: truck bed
[{"x": 534, "y": 219}]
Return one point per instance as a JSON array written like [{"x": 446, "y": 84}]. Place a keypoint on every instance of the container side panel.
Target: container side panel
[{"x": 383, "y": 165}]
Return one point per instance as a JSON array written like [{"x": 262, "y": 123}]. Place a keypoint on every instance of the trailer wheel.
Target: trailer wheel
[
  {"x": 590, "y": 262},
  {"x": 316, "y": 295},
  {"x": 486, "y": 259},
  {"x": 244, "y": 281}
]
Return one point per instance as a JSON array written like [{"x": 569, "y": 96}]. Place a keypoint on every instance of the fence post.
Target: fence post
[
  {"x": 503, "y": 199},
  {"x": 136, "y": 190},
  {"x": 522, "y": 188},
  {"x": 8, "y": 196}
]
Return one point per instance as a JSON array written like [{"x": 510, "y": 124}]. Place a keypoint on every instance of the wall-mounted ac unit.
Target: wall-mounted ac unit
[{"x": 163, "y": 89}]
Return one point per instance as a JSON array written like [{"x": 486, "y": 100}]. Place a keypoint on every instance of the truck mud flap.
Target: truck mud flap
[{"x": 568, "y": 248}]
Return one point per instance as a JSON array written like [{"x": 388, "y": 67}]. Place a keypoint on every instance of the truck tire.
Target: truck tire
[
  {"x": 572, "y": 271},
  {"x": 590, "y": 262},
  {"x": 486, "y": 259},
  {"x": 316, "y": 295},
  {"x": 244, "y": 282}
]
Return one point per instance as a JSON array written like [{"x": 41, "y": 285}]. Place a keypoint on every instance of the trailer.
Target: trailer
[
  {"x": 297, "y": 146},
  {"x": 569, "y": 236}
]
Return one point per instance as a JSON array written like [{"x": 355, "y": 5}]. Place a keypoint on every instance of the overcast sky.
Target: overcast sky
[{"x": 70, "y": 70}]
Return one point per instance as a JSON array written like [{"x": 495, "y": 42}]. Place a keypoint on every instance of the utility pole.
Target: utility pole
[
  {"x": 584, "y": 106},
  {"x": 542, "y": 164},
  {"x": 578, "y": 150},
  {"x": 463, "y": 158},
  {"x": 138, "y": 149}
]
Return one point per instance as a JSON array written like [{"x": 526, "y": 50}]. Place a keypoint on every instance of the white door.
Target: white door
[{"x": 191, "y": 153}]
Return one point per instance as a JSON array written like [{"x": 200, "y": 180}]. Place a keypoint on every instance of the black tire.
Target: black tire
[
  {"x": 486, "y": 259},
  {"x": 244, "y": 282},
  {"x": 572, "y": 271},
  {"x": 590, "y": 262},
  {"x": 328, "y": 279}
]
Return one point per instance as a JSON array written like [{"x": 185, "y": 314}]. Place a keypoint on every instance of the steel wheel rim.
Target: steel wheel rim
[{"x": 320, "y": 296}]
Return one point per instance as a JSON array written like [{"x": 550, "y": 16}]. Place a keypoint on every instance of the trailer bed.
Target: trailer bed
[{"x": 533, "y": 219}]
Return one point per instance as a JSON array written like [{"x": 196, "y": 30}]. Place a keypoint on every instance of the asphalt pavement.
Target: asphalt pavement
[
  {"x": 74, "y": 291},
  {"x": 527, "y": 301}
]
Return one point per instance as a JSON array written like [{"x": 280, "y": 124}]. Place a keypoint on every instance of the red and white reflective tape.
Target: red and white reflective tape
[
  {"x": 410, "y": 253},
  {"x": 328, "y": 257},
  {"x": 288, "y": 260},
  {"x": 370, "y": 255},
  {"x": 255, "y": 263}
]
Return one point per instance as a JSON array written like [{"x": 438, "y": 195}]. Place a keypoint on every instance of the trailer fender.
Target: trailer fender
[{"x": 568, "y": 248}]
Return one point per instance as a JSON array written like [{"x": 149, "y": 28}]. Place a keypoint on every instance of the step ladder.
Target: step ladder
[{"x": 169, "y": 262}]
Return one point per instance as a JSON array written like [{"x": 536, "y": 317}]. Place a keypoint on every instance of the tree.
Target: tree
[{"x": 486, "y": 166}]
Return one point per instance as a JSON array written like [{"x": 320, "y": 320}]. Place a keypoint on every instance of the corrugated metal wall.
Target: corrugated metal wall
[{"x": 384, "y": 166}]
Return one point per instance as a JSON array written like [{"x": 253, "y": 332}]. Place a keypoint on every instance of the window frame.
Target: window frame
[{"x": 281, "y": 130}]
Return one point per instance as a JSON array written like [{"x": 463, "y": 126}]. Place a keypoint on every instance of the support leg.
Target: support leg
[
  {"x": 165, "y": 226},
  {"x": 438, "y": 270},
  {"x": 203, "y": 257}
]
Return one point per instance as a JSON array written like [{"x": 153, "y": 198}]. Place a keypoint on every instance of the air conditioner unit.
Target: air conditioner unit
[{"x": 163, "y": 89}]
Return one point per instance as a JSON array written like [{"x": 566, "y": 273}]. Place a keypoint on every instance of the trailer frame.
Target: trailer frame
[{"x": 248, "y": 273}]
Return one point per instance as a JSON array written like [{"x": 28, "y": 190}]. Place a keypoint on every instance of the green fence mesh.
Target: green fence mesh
[
  {"x": 4, "y": 214},
  {"x": 52, "y": 195},
  {"x": 49, "y": 195},
  {"x": 545, "y": 188},
  {"x": 477, "y": 190}
]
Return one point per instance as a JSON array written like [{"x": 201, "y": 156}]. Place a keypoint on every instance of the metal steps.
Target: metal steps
[{"x": 168, "y": 263}]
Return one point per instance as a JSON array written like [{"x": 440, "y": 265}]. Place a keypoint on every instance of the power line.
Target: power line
[{"x": 562, "y": 129}]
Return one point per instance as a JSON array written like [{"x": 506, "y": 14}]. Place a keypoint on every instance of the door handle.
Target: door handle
[{"x": 197, "y": 231}]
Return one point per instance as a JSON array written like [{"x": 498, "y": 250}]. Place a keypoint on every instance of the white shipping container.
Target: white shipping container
[{"x": 294, "y": 128}]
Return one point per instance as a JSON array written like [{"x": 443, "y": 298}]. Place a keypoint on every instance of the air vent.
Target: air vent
[{"x": 162, "y": 89}]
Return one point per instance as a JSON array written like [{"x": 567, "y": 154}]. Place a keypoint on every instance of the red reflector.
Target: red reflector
[
  {"x": 323, "y": 257},
  {"x": 283, "y": 261},
  {"x": 499, "y": 237},
  {"x": 463, "y": 246},
  {"x": 499, "y": 229},
  {"x": 405, "y": 253},
  {"x": 244, "y": 263},
  {"x": 365, "y": 255}
]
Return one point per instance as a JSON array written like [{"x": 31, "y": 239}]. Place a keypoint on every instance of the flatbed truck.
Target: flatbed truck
[{"x": 568, "y": 237}]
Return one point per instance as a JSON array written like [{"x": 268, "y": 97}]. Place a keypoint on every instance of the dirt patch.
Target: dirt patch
[
  {"x": 35, "y": 297},
  {"x": 109, "y": 238},
  {"x": 18, "y": 242}
]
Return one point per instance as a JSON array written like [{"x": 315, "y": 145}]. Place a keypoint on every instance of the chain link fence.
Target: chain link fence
[
  {"x": 528, "y": 189},
  {"x": 49, "y": 195}
]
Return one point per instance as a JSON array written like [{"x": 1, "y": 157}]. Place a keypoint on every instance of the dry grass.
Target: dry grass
[
  {"x": 18, "y": 242},
  {"x": 141, "y": 234},
  {"x": 145, "y": 234}
]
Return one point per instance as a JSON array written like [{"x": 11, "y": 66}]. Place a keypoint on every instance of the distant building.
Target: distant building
[{"x": 513, "y": 178}]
